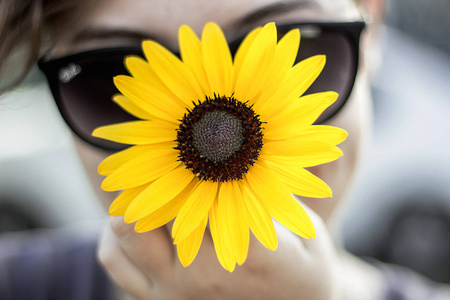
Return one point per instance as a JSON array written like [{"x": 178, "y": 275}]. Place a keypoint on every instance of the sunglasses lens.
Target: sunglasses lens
[
  {"x": 86, "y": 88},
  {"x": 339, "y": 72}
]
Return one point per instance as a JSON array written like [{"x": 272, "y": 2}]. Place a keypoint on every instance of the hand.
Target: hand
[{"x": 146, "y": 266}]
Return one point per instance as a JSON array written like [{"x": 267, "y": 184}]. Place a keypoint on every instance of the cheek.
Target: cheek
[{"x": 355, "y": 118}]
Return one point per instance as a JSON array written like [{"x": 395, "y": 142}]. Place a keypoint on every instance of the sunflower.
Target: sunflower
[{"x": 220, "y": 141}]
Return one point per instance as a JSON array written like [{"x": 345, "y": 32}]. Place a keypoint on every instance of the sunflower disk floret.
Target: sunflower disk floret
[{"x": 219, "y": 139}]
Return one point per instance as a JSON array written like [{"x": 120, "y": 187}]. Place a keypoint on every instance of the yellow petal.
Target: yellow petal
[
  {"x": 329, "y": 134},
  {"x": 242, "y": 52},
  {"x": 143, "y": 72},
  {"x": 259, "y": 219},
  {"x": 138, "y": 132},
  {"x": 298, "y": 80},
  {"x": 142, "y": 169},
  {"x": 140, "y": 69},
  {"x": 304, "y": 161},
  {"x": 188, "y": 249},
  {"x": 286, "y": 53},
  {"x": 301, "y": 151},
  {"x": 112, "y": 162},
  {"x": 158, "y": 193},
  {"x": 300, "y": 181},
  {"x": 231, "y": 205},
  {"x": 120, "y": 204},
  {"x": 279, "y": 202},
  {"x": 131, "y": 107},
  {"x": 218, "y": 232},
  {"x": 191, "y": 54},
  {"x": 166, "y": 213},
  {"x": 255, "y": 68},
  {"x": 239, "y": 224},
  {"x": 299, "y": 115},
  {"x": 217, "y": 59},
  {"x": 152, "y": 100},
  {"x": 285, "y": 56},
  {"x": 194, "y": 210},
  {"x": 175, "y": 75}
]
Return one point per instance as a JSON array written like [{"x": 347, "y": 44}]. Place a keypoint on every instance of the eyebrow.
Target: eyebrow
[
  {"x": 271, "y": 10},
  {"x": 99, "y": 33}
]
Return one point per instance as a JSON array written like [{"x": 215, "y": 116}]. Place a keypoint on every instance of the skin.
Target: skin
[{"x": 146, "y": 265}]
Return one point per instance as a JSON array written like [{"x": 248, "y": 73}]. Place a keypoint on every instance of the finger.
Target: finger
[
  {"x": 323, "y": 253},
  {"x": 121, "y": 268},
  {"x": 322, "y": 235},
  {"x": 153, "y": 250}
]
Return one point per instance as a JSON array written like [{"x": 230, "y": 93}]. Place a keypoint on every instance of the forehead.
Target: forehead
[{"x": 160, "y": 19}]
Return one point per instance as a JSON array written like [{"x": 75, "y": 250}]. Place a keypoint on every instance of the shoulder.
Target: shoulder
[
  {"x": 51, "y": 264},
  {"x": 404, "y": 284}
]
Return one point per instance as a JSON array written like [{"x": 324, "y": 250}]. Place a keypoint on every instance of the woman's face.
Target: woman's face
[{"x": 121, "y": 22}]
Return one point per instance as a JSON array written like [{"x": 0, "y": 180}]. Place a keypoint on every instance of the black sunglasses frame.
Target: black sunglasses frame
[
  {"x": 352, "y": 32},
  {"x": 51, "y": 68}
]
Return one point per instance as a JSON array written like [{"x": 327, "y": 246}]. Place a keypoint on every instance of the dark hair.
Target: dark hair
[{"x": 24, "y": 24}]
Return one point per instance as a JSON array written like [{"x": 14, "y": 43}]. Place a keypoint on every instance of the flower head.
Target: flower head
[{"x": 220, "y": 141}]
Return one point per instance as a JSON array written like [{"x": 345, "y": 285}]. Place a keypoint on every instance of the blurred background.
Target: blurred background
[{"x": 399, "y": 208}]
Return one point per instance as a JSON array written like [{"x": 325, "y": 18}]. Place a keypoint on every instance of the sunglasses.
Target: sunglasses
[{"x": 82, "y": 84}]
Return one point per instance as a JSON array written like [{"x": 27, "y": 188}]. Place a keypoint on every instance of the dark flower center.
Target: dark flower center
[
  {"x": 219, "y": 139},
  {"x": 218, "y": 135}
]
